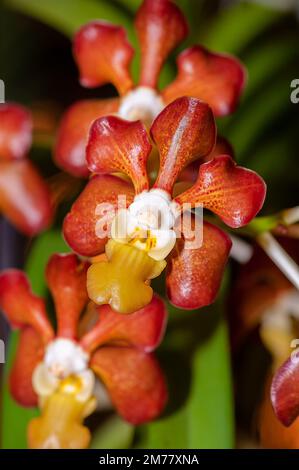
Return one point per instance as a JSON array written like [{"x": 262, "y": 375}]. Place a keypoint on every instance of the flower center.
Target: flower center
[
  {"x": 142, "y": 103},
  {"x": 147, "y": 224},
  {"x": 64, "y": 368}
]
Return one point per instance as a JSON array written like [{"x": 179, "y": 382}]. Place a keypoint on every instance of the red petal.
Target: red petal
[
  {"x": 21, "y": 306},
  {"x": 285, "y": 391},
  {"x": 183, "y": 131},
  {"x": 160, "y": 27},
  {"x": 234, "y": 193},
  {"x": 134, "y": 380},
  {"x": 73, "y": 132},
  {"x": 29, "y": 353},
  {"x": 66, "y": 278},
  {"x": 215, "y": 78},
  {"x": 222, "y": 147},
  {"x": 143, "y": 329},
  {"x": 25, "y": 198},
  {"x": 118, "y": 145},
  {"x": 103, "y": 55},
  {"x": 15, "y": 131},
  {"x": 194, "y": 275},
  {"x": 80, "y": 225}
]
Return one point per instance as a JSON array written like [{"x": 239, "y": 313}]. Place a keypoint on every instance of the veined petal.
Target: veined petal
[
  {"x": 222, "y": 147},
  {"x": 66, "y": 278},
  {"x": 143, "y": 329},
  {"x": 15, "y": 131},
  {"x": 21, "y": 306},
  {"x": 194, "y": 274},
  {"x": 183, "y": 131},
  {"x": 25, "y": 198},
  {"x": 234, "y": 193},
  {"x": 217, "y": 79},
  {"x": 29, "y": 353},
  {"x": 103, "y": 55},
  {"x": 70, "y": 147},
  {"x": 85, "y": 226},
  {"x": 134, "y": 380},
  {"x": 116, "y": 145},
  {"x": 285, "y": 391},
  {"x": 160, "y": 27}
]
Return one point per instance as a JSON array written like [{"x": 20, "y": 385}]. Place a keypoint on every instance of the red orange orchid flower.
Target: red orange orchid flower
[
  {"x": 103, "y": 55},
  {"x": 24, "y": 197},
  {"x": 183, "y": 131},
  {"x": 57, "y": 371},
  {"x": 263, "y": 297}
]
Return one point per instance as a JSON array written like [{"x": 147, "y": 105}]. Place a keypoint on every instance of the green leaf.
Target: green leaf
[
  {"x": 235, "y": 27},
  {"x": 200, "y": 413},
  {"x": 115, "y": 433},
  {"x": 14, "y": 417},
  {"x": 68, "y": 15}
]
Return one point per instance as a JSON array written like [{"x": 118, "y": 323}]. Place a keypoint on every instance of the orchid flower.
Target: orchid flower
[
  {"x": 184, "y": 131},
  {"x": 103, "y": 55},
  {"x": 264, "y": 298},
  {"x": 24, "y": 196},
  {"x": 57, "y": 371}
]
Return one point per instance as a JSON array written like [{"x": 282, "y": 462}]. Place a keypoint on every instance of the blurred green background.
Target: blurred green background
[{"x": 37, "y": 67}]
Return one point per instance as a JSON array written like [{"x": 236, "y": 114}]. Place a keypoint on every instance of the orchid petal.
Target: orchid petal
[
  {"x": 234, "y": 193},
  {"x": 216, "y": 79},
  {"x": 183, "y": 131},
  {"x": 103, "y": 55}
]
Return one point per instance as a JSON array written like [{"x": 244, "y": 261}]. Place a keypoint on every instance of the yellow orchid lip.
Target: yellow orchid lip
[{"x": 122, "y": 281}]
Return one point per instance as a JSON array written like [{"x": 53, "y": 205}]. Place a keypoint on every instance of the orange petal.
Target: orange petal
[
  {"x": 15, "y": 131},
  {"x": 183, "y": 131},
  {"x": 160, "y": 27},
  {"x": 273, "y": 435},
  {"x": 29, "y": 353},
  {"x": 69, "y": 152},
  {"x": 116, "y": 145},
  {"x": 21, "y": 306},
  {"x": 215, "y": 78},
  {"x": 66, "y": 278},
  {"x": 25, "y": 198},
  {"x": 81, "y": 223},
  {"x": 194, "y": 275},
  {"x": 143, "y": 329},
  {"x": 103, "y": 55},
  {"x": 134, "y": 380},
  {"x": 234, "y": 193},
  {"x": 222, "y": 147},
  {"x": 285, "y": 391}
]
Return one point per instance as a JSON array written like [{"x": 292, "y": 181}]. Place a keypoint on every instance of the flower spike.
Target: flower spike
[
  {"x": 234, "y": 193},
  {"x": 183, "y": 131},
  {"x": 15, "y": 131},
  {"x": 160, "y": 27},
  {"x": 116, "y": 145},
  {"x": 103, "y": 55},
  {"x": 215, "y": 78},
  {"x": 66, "y": 278}
]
